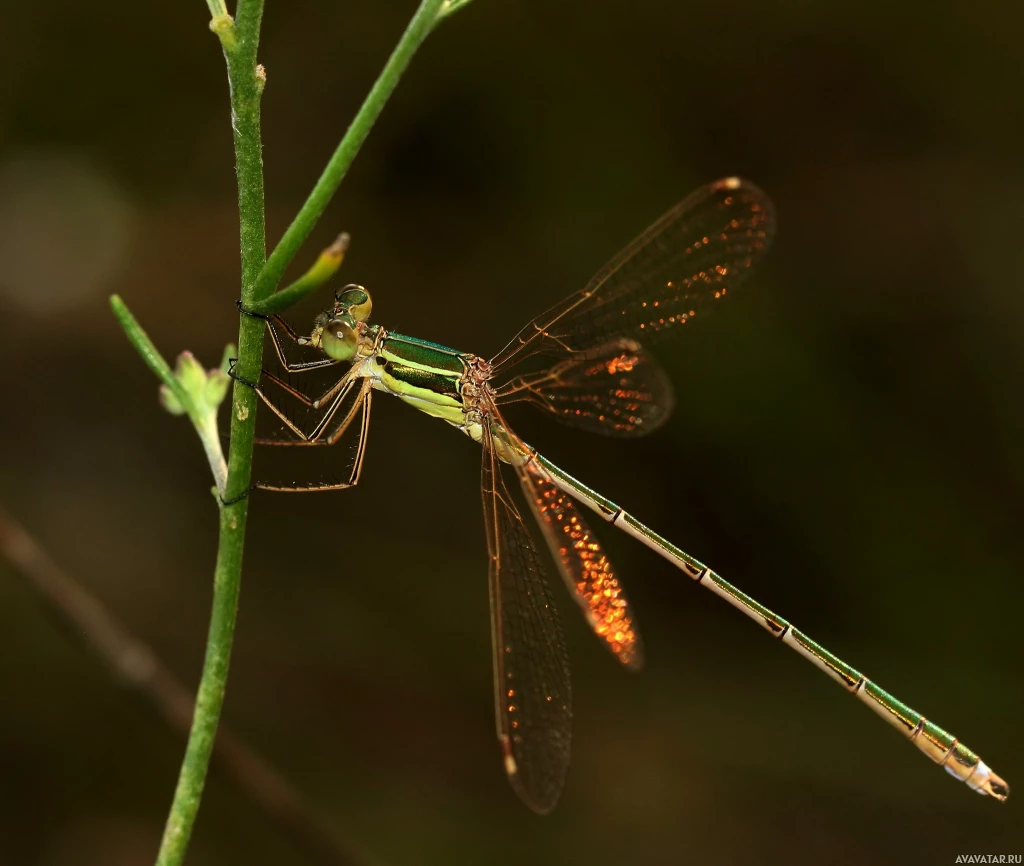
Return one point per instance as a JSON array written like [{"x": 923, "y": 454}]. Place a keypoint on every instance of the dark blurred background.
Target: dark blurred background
[{"x": 846, "y": 445}]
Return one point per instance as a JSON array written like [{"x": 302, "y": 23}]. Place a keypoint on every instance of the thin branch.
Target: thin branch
[
  {"x": 419, "y": 27},
  {"x": 177, "y": 396},
  {"x": 246, "y": 86},
  {"x": 147, "y": 351},
  {"x": 322, "y": 270},
  {"x": 137, "y": 667}
]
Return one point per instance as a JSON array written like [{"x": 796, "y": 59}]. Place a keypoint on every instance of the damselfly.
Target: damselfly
[{"x": 588, "y": 371}]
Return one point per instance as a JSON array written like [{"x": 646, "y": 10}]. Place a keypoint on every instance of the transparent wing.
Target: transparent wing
[
  {"x": 695, "y": 254},
  {"x": 616, "y": 389},
  {"x": 297, "y": 423},
  {"x": 583, "y": 564},
  {"x": 533, "y": 693},
  {"x": 303, "y": 416}
]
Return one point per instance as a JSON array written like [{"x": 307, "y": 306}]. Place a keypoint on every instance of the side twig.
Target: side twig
[
  {"x": 189, "y": 390},
  {"x": 322, "y": 270}
]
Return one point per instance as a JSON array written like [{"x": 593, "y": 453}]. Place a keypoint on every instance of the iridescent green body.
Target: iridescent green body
[{"x": 425, "y": 375}]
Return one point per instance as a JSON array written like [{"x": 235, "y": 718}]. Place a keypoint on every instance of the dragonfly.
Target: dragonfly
[{"x": 583, "y": 363}]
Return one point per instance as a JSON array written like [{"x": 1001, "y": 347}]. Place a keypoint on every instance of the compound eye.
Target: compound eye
[
  {"x": 339, "y": 338},
  {"x": 355, "y": 300}
]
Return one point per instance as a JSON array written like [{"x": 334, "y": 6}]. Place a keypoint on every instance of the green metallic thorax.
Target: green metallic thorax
[{"x": 426, "y": 375}]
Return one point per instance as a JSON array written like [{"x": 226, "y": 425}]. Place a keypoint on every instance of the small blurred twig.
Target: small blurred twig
[{"x": 136, "y": 666}]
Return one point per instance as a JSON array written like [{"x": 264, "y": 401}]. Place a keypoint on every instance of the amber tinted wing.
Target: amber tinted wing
[
  {"x": 533, "y": 693},
  {"x": 583, "y": 564},
  {"x": 616, "y": 389},
  {"x": 694, "y": 255}
]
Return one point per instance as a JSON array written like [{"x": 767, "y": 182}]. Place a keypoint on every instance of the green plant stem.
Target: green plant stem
[
  {"x": 209, "y": 435},
  {"x": 240, "y": 54},
  {"x": 204, "y": 421},
  {"x": 144, "y": 346},
  {"x": 423, "y": 21},
  {"x": 325, "y": 267}
]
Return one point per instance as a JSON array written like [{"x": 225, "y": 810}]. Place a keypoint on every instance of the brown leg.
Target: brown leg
[
  {"x": 302, "y": 397},
  {"x": 275, "y": 322},
  {"x": 340, "y": 389},
  {"x": 362, "y": 403}
]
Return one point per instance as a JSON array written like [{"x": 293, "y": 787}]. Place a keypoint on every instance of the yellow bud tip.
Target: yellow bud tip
[{"x": 332, "y": 255}]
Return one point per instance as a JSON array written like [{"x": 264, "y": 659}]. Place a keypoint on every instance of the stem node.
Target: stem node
[{"x": 224, "y": 26}]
